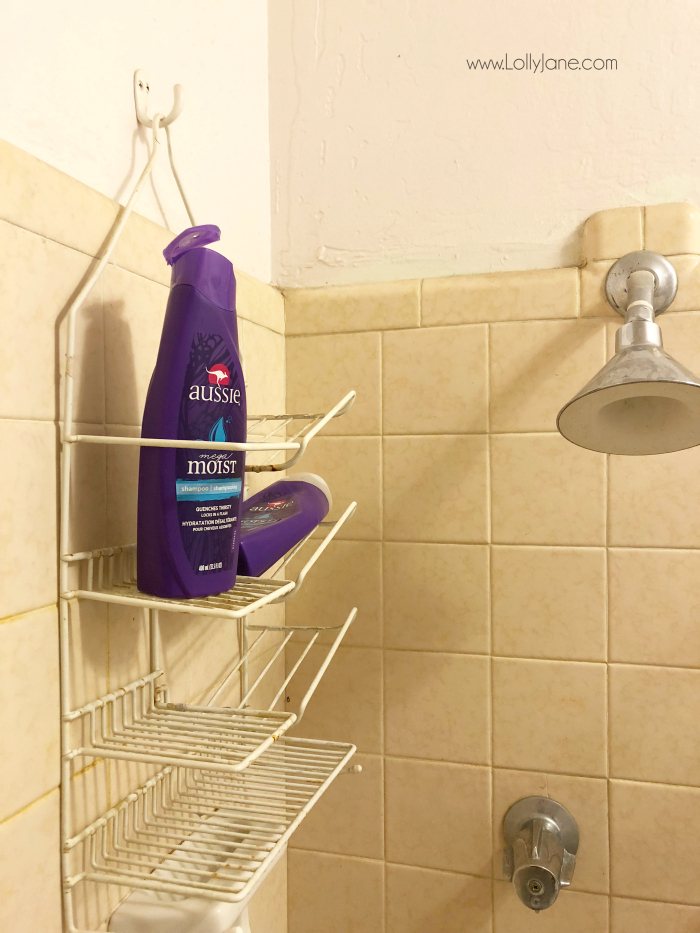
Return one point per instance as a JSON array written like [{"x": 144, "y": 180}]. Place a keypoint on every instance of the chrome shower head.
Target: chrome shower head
[{"x": 642, "y": 401}]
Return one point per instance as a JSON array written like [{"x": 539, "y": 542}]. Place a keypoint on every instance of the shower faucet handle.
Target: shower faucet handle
[
  {"x": 537, "y": 829},
  {"x": 539, "y": 857},
  {"x": 508, "y": 863},
  {"x": 567, "y": 869}
]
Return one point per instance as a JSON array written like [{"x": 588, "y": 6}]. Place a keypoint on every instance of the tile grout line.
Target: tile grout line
[
  {"x": 646, "y": 900},
  {"x": 489, "y": 610},
  {"x": 448, "y": 325},
  {"x": 607, "y": 679},
  {"x": 385, "y": 906},
  {"x": 468, "y": 874},
  {"x": 28, "y": 806},
  {"x": 605, "y": 317},
  {"x": 484, "y": 765},
  {"x": 447, "y": 871},
  {"x": 519, "y": 545},
  {"x": 242, "y": 317},
  {"x": 527, "y": 658},
  {"x": 22, "y": 615}
]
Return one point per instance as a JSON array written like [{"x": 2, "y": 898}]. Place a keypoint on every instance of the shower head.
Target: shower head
[{"x": 642, "y": 401}]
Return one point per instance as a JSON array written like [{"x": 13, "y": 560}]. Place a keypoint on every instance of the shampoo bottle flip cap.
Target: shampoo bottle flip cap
[
  {"x": 207, "y": 271},
  {"x": 314, "y": 480}
]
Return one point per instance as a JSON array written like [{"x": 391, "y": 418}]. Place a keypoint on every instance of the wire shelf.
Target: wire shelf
[
  {"x": 110, "y": 576},
  {"x": 294, "y": 429},
  {"x": 136, "y": 723},
  {"x": 131, "y": 724},
  {"x": 189, "y": 832},
  {"x": 273, "y": 431}
]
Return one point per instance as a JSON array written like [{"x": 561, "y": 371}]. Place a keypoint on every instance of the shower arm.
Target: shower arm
[
  {"x": 640, "y": 328},
  {"x": 640, "y": 288}
]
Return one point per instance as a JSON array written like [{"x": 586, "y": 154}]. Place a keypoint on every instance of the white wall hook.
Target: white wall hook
[{"x": 141, "y": 90}]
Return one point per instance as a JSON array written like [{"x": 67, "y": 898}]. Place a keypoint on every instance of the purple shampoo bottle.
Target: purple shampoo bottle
[
  {"x": 278, "y": 517},
  {"x": 190, "y": 500}
]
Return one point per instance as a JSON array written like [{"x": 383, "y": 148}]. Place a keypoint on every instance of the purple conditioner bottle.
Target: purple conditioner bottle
[
  {"x": 189, "y": 499},
  {"x": 278, "y": 517}
]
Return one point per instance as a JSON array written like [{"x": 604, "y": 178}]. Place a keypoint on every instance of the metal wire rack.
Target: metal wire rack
[
  {"x": 234, "y": 787},
  {"x": 137, "y": 723},
  {"x": 109, "y": 575},
  {"x": 198, "y": 833},
  {"x": 271, "y": 429},
  {"x": 285, "y": 428}
]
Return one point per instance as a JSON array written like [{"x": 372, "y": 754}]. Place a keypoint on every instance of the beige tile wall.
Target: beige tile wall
[
  {"x": 50, "y": 228},
  {"x": 509, "y": 589},
  {"x": 526, "y": 626}
]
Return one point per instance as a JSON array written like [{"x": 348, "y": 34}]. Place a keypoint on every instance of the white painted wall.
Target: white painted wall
[
  {"x": 66, "y": 77},
  {"x": 391, "y": 159}
]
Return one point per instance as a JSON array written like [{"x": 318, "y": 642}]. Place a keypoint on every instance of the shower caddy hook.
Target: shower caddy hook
[{"x": 142, "y": 89}]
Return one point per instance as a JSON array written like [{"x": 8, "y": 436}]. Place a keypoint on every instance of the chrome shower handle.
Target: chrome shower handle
[{"x": 540, "y": 853}]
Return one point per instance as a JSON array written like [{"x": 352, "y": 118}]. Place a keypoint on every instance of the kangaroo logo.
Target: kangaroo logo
[{"x": 219, "y": 375}]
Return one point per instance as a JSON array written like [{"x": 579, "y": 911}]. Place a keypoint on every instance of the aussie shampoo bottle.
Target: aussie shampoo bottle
[{"x": 190, "y": 500}]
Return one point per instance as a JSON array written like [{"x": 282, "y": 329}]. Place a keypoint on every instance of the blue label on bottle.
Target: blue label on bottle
[
  {"x": 209, "y": 482},
  {"x": 207, "y": 489}
]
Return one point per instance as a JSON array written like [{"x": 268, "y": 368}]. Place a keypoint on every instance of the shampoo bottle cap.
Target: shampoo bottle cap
[
  {"x": 314, "y": 480},
  {"x": 209, "y": 272}
]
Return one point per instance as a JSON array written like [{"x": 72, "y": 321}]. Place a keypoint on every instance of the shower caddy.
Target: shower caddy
[{"x": 227, "y": 787}]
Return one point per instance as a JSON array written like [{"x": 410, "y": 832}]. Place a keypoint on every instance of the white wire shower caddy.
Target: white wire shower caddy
[
  {"x": 203, "y": 834},
  {"x": 232, "y": 787},
  {"x": 139, "y": 723}
]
